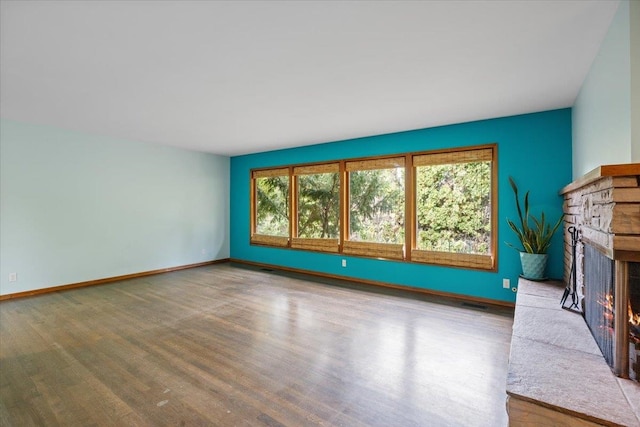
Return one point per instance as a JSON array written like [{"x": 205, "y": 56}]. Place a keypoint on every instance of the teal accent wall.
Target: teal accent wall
[
  {"x": 533, "y": 148},
  {"x": 76, "y": 207}
]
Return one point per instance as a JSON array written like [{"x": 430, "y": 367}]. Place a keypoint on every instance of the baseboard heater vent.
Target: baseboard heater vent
[{"x": 472, "y": 305}]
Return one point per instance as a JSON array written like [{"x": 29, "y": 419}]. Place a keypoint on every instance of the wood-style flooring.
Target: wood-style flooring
[{"x": 228, "y": 346}]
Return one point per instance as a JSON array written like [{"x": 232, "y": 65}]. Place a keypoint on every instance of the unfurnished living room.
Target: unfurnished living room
[{"x": 320, "y": 213}]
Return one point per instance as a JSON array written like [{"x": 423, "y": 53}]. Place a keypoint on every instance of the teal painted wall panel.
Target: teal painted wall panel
[
  {"x": 77, "y": 207},
  {"x": 534, "y": 148}
]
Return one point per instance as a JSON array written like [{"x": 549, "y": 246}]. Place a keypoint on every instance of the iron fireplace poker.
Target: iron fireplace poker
[{"x": 571, "y": 289}]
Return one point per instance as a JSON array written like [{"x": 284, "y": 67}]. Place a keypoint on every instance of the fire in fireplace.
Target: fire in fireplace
[{"x": 634, "y": 321}]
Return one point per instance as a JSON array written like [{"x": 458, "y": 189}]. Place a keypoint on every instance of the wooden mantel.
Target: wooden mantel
[{"x": 627, "y": 169}]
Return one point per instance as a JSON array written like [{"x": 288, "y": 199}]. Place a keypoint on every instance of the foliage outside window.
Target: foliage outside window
[
  {"x": 318, "y": 205},
  {"x": 376, "y": 205},
  {"x": 454, "y": 207}
]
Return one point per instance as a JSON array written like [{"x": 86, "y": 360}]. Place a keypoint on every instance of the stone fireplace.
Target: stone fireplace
[{"x": 604, "y": 206}]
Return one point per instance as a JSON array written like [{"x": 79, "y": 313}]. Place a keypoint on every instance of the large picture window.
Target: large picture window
[
  {"x": 453, "y": 201},
  {"x": 376, "y": 208},
  {"x": 433, "y": 207},
  {"x": 317, "y": 195},
  {"x": 270, "y": 209}
]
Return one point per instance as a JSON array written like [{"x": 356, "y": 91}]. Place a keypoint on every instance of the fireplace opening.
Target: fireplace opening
[{"x": 600, "y": 310}]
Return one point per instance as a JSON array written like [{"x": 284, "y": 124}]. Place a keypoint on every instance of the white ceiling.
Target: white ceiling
[{"x": 241, "y": 77}]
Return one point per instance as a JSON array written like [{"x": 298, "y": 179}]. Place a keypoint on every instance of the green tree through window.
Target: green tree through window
[
  {"x": 319, "y": 205},
  {"x": 453, "y": 207},
  {"x": 272, "y": 211},
  {"x": 376, "y": 205}
]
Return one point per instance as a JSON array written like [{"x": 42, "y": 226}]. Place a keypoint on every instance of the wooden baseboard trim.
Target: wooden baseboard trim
[
  {"x": 107, "y": 280},
  {"x": 448, "y": 295}
]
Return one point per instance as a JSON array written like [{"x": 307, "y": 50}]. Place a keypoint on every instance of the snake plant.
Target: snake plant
[{"x": 534, "y": 233}]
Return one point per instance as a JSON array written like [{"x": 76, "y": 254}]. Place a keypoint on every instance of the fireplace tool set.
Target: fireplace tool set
[{"x": 571, "y": 289}]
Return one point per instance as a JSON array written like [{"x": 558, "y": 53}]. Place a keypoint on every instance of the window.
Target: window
[
  {"x": 271, "y": 207},
  {"x": 376, "y": 208},
  {"x": 453, "y": 208},
  {"x": 317, "y": 195},
  {"x": 434, "y": 207}
]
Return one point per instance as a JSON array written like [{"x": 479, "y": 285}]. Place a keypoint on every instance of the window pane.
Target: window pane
[
  {"x": 453, "y": 207},
  {"x": 376, "y": 203},
  {"x": 272, "y": 210},
  {"x": 318, "y": 205}
]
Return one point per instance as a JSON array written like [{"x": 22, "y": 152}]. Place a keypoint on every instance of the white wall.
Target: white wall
[
  {"x": 602, "y": 113},
  {"x": 77, "y": 207}
]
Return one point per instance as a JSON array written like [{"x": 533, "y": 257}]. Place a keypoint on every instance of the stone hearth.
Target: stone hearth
[{"x": 557, "y": 375}]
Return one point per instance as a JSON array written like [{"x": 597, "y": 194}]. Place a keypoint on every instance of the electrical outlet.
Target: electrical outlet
[
  {"x": 344, "y": 262},
  {"x": 506, "y": 283},
  {"x": 13, "y": 277}
]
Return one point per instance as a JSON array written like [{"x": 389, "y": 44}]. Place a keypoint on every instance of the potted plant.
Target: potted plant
[{"x": 535, "y": 236}]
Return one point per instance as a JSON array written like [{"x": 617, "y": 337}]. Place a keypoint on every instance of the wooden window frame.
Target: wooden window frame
[
  {"x": 304, "y": 243},
  {"x": 264, "y": 239},
  {"x": 453, "y": 259},
  {"x": 408, "y": 251},
  {"x": 393, "y": 251}
]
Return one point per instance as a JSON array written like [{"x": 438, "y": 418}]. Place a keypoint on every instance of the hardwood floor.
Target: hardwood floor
[{"x": 228, "y": 346}]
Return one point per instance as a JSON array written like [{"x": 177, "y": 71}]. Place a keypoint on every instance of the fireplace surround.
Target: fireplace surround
[{"x": 604, "y": 206}]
